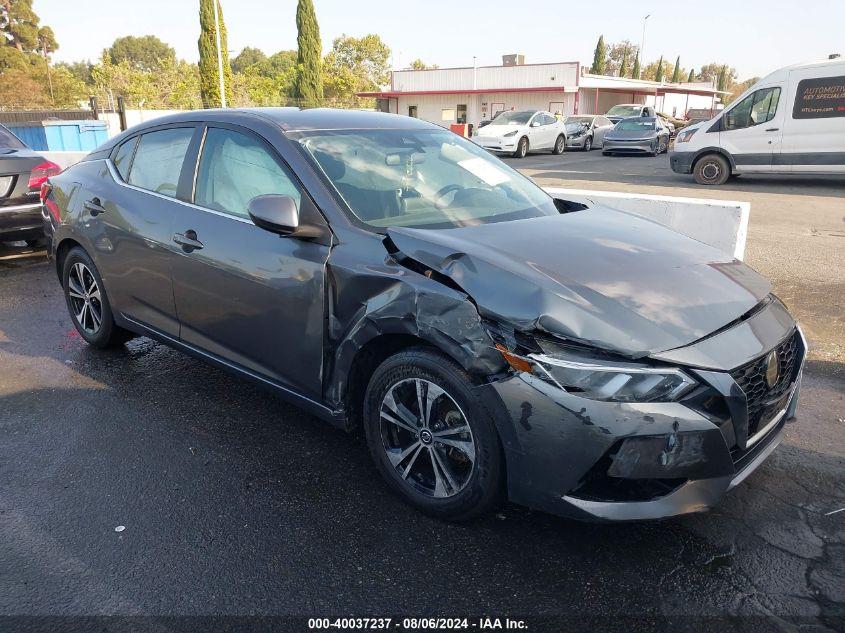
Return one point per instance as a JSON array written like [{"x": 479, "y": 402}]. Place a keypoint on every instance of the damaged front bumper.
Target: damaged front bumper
[{"x": 615, "y": 461}]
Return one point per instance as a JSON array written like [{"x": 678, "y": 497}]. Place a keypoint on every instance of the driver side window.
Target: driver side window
[{"x": 758, "y": 107}]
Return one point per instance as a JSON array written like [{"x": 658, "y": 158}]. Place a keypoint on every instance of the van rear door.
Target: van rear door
[
  {"x": 814, "y": 134},
  {"x": 751, "y": 130}
]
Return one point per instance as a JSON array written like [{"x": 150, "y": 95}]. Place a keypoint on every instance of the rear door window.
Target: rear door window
[
  {"x": 235, "y": 168},
  {"x": 159, "y": 158}
]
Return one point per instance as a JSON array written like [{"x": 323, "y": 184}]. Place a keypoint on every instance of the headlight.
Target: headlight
[
  {"x": 509, "y": 134},
  {"x": 685, "y": 135},
  {"x": 590, "y": 376}
]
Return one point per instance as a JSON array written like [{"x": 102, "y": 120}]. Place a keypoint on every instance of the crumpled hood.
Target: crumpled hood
[{"x": 600, "y": 276}]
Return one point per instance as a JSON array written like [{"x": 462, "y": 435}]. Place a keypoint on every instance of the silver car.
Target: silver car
[
  {"x": 639, "y": 135},
  {"x": 586, "y": 131}
]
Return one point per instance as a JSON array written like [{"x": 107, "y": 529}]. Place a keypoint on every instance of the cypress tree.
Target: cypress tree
[
  {"x": 623, "y": 65},
  {"x": 676, "y": 74},
  {"x": 691, "y": 77},
  {"x": 599, "y": 57},
  {"x": 635, "y": 73},
  {"x": 723, "y": 78},
  {"x": 308, "y": 86},
  {"x": 658, "y": 75},
  {"x": 209, "y": 74}
]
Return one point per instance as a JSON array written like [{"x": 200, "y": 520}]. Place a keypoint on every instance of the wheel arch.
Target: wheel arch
[
  {"x": 704, "y": 151},
  {"x": 62, "y": 250}
]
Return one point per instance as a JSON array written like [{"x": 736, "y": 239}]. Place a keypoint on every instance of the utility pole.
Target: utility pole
[
  {"x": 219, "y": 55},
  {"x": 642, "y": 45},
  {"x": 49, "y": 75}
]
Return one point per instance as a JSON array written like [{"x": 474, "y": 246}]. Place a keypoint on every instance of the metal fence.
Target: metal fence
[{"x": 32, "y": 116}]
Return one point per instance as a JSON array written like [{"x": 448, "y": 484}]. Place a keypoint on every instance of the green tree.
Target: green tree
[
  {"x": 144, "y": 53},
  {"x": 599, "y": 57},
  {"x": 659, "y": 72},
  {"x": 711, "y": 72},
  {"x": 691, "y": 76},
  {"x": 738, "y": 89},
  {"x": 660, "y": 68},
  {"x": 308, "y": 87},
  {"x": 623, "y": 65},
  {"x": 676, "y": 73},
  {"x": 616, "y": 52},
  {"x": 247, "y": 57},
  {"x": 635, "y": 72},
  {"x": 19, "y": 25},
  {"x": 419, "y": 64},
  {"x": 208, "y": 67},
  {"x": 80, "y": 70}
]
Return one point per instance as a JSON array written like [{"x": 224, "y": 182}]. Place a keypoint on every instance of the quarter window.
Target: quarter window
[
  {"x": 123, "y": 157},
  {"x": 758, "y": 107},
  {"x": 234, "y": 169},
  {"x": 158, "y": 160}
]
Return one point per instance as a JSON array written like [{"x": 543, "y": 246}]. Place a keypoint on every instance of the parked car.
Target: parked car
[
  {"x": 385, "y": 273},
  {"x": 586, "y": 131},
  {"x": 22, "y": 172},
  {"x": 792, "y": 121},
  {"x": 518, "y": 132},
  {"x": 628, "y": 111},
  {"x": 643, "y": 135}
]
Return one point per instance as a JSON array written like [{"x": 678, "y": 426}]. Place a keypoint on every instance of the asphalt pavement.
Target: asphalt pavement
[{"x": 142, "y": 482}]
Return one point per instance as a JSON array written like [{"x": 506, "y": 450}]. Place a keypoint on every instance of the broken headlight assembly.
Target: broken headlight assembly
[{"x": 590, "y": 374}]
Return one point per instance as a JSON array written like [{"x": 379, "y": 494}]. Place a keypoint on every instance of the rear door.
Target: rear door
[
  {"x": 751, "y": 130},
  {"x": 127, "y": 209},
  {"x": 814, "y": 130},
  {"x": 243, "y": 294}
]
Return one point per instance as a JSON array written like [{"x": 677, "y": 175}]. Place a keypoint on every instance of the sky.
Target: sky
[{"x": 753, "y": 36}]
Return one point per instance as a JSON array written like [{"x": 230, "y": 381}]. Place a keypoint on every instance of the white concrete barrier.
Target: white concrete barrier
[
  {"x": 64, "y": 159},
  {"x": 719, "y": 223}
]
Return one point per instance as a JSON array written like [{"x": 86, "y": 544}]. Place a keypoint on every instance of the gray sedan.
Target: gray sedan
[
  {"x": 586, "y": 131},
  {"x": 640, "y": 135}
]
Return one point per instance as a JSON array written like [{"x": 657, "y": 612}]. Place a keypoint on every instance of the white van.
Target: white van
[{"x": 792, "y": 121}]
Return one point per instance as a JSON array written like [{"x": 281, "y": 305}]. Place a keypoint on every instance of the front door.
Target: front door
[
  {"x": 752, "y": 130},
  {"x": 244, "y": 294}
]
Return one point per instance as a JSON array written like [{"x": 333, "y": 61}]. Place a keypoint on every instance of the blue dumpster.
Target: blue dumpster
[{"x": 58, "y": 136}]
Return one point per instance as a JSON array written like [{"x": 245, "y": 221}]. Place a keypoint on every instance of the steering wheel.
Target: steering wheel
[{"x": 443, "y": 192}]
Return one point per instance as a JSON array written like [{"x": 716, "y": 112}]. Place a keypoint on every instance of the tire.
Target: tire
[
  {"x": 588, "y": 143},
  {"x": 655, "y": 149},
  {"x": 405, "y": 450},
  {"x": 560, "y": 145},
  {"x": 85, "y": 295},
  {"x": 521, "y": 148},
  {"x": 711, "y": 169}
]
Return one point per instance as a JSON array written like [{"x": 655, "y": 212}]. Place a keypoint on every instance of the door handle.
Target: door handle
[
  {"x": 188, "y": 240},
  {"x": 94, "y": 207},
  {"x": 772, "y": 129}
]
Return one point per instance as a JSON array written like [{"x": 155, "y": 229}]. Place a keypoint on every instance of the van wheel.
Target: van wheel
[
  {"x": 712, "y": 169},
  {"x": 431, "y": 437},
  {"x": 521, "y": 148}
]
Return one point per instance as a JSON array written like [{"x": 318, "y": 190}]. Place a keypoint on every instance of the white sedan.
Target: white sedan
[{"x": 518, "y": 132}]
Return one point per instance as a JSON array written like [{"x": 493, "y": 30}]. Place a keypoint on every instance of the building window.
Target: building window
[
  {"x": 462, "y": 113},
  {"x": 447, "y": 114},
  {"x": 412, "y": 111}
]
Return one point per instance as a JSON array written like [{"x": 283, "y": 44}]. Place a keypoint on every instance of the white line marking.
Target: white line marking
[{"x": 827, "y": 514}]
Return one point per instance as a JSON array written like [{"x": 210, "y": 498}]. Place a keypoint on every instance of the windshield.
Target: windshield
[
  {"x": 512, "y": 118},
  {"x": 625, "y": 110},
  {"x": 9, "y": 140},
  {"x": 578, "y": 121},
  {"x": 423, "y": 178},
  {"x": 642, "y": 125}
]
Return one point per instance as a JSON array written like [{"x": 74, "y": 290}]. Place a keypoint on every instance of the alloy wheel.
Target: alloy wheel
[
  {"x": 588, "y": 143},
  {"x": 85, "y": 298},
  {"x": 559, "y": 145},
  {"x": 427, "y": 438}
]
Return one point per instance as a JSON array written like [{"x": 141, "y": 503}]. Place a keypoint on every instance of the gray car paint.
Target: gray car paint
[{"x": 301, "y": 314}]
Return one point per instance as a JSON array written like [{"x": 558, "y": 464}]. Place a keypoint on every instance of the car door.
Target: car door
[
  {"x": 751, "y": 131},
  {"x": 243, "y": 294},
  {"x": 127, "y": 208},
  {"x": 543, "y": 132}
]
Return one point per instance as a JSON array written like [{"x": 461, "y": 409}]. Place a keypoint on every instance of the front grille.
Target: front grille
[{"x": 764, "y": 402}]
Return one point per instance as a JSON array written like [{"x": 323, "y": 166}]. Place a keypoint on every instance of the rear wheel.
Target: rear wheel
[
  {"x": 712, "y": 169},
  {"x": 560, "y": 145},
  {"x": 430, "y": 437},
  {"x": 87, "y": 302},
  {"x": 521, "y": 148}
]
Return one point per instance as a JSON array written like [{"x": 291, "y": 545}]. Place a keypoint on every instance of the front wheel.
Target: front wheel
[
  {"x": 521, "y": 148},
  {"x": 712, "y": 169},
  {"x": 88, "y": 303},
  {"x": 588, "y": 143},
  {"x": 431, "y": 438},
  {"x": 560, "y": 145}
]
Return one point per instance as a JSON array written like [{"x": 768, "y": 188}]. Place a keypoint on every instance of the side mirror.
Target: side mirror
[{"x": 275, "y": 213}]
